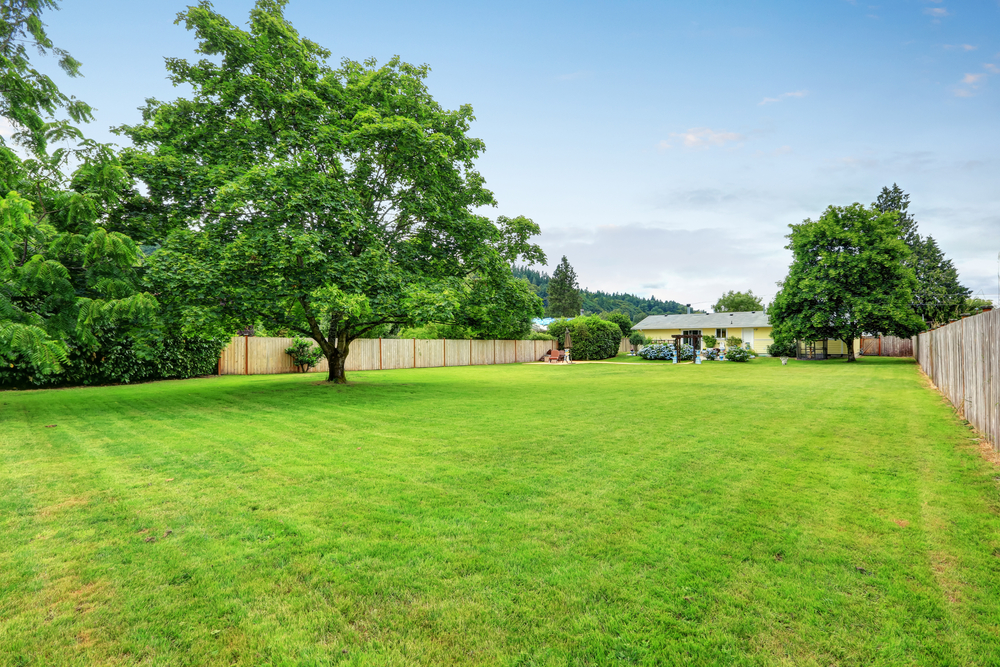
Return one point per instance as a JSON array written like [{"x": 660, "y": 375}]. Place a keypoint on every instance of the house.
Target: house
[{"x": 753, "y": 327}]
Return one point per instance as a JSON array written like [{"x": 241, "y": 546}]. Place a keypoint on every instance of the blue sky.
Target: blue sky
[{"x": 663, "y": 147}]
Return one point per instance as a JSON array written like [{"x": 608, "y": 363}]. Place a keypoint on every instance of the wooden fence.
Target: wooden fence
[
  {"x": 249, "y": 355},
  {"x": 886, "y": 346},
  {"x": 962, "y": 359}
]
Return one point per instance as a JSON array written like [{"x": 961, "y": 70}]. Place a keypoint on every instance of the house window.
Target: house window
[
  {"x": 720, "y": 333},
  {"x": 692, "y": 341}
]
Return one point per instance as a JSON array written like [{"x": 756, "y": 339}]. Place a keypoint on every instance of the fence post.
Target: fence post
[
  {"x": 246, "y": 355},
  {"x": 444, "y": 352}
]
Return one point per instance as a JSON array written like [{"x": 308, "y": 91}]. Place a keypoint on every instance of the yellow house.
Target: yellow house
[{"x": 753, "y": 327}]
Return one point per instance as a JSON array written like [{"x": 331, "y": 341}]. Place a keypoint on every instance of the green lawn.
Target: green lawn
[{"x": 815, "y": 514}]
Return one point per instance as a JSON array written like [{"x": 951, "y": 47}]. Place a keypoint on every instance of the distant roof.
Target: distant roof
[
  {"x": 544, "y": 321},
  {"x": 755, "y": 318}
]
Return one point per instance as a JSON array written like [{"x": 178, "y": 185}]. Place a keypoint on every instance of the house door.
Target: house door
[{"x": 748, "y": 336}]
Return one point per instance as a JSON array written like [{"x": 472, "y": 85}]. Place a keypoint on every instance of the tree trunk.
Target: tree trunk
[
  {"x": 849, "y": 342},
  {"x": 337, "y": 359},
  {"x": 337, "y": 363}
]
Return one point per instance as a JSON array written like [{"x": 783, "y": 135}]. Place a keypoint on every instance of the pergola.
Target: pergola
[{"x": 677, "y": 346}]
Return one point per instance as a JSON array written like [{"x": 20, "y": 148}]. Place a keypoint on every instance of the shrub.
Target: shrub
[
  {"x": 122, "y": 357},
  {"x": 637, "y": 338},
  {"x": 304, "y": 354},
  {"x": 782, "y": 348},
  {"x": 666, "y": 352},
  {"x": 540, "y": 335},
  {"x": 710, "y": 341},
  {"x": 593, "y": 337},
  {"x": 623, "y": 321},
  {"x": 733, "y": 341},
  {"x": 737, "y": 353},
  {"x": 710, "y": 354}
]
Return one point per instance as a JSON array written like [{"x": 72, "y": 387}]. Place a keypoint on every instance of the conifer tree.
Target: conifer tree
[{"x": 564, "y": 291}]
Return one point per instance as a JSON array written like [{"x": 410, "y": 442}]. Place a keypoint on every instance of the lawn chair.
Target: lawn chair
[{"x": 555, "y": 356}]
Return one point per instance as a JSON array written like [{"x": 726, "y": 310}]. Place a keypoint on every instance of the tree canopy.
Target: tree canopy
[
  {"x": 326, "y": 201},
  {"x": 848, "y": 277},
  {"x": 737, "y": 302},
  {"x": 564, "y": 291},
  {"x": 62, "y": 273},
  {"x": 938, "y": 296}
]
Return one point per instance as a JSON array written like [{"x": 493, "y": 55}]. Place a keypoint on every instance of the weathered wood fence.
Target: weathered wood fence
[
  {"x": 250, "y": 355},
  {"x": 886, "y": 346},
  {"x": 962, "y": 359}
]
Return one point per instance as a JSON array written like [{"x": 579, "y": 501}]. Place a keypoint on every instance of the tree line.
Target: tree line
[{"x": 563, "y": 296}]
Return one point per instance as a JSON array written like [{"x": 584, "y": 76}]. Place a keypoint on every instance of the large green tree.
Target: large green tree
[
  {"x": 564, "y": 291},
  {"x": 738, "y": 302},
  {"x": 938, "y": 296},
  {"x": 327, "y": 201},
  {"x": 63, "y": 274},
  {"x": 848, "y": 277}
]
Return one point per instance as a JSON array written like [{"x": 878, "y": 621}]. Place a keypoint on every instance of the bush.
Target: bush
[
  {"x": 666, "y": 352},
  {"x": 637, "y": 338},
  {"x": 593, "y": 337},
  {"x": 122, "y": 357},
  {"x": 733, "y": 341},
  {"x": 710, "y": 354},
  {"x": 540, "y": 335},
  {"x": 782, "y": 348},
  {"x": 737, "y": 353},
  {"x": 623, "y": 321},
  {"x": 304, "y": 354},
  {"x": 710, "y": 341}
]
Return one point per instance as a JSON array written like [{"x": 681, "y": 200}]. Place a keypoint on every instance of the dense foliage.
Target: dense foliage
[
  {"x": 326, "y": 201},
  {"x": 665, "y": 351},
  {"x": 122, "y": 355},
  {"x": 740, "y": 354},
  {"x": 734, "y": 302},
  {"x": 592, "y": 337},
  {"x": 635, "y": 307},
  {"x": 782, "y": 347},
  {"x": 848, "y": 277},
  {"x": 623, "y": 321},
  {"x": 937, "y": 294}
]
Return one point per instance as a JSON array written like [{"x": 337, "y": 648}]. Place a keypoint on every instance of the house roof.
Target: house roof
[{"x": 755, "y": 318}]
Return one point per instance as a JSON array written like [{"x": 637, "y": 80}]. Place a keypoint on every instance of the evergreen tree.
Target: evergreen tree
[
  {"x": 564, "y": 291},
  {"x": 938, "y": 296}
]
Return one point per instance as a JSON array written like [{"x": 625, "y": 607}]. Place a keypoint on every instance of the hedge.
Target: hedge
[{"x": 593, "y": 337}]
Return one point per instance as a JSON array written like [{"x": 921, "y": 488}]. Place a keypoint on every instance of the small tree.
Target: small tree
[
  {"x": 564, "y": 291},
  {"x": 710, "y": 341},
  {"x": 733, "y": 341},
  {"x": 738, "y": 302},
  {"x": 304, "y": 354},
  {"x": 847, "y": 278}
]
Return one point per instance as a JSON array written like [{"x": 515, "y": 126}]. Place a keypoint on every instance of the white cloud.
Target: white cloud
[
  {"x": 990, "y": 67},
  {"x": 936, "y": 12},
  {"x": 769, "y": 100},
  {"x": 703, "y": 137},
  {"x": 972, "y": 78}
]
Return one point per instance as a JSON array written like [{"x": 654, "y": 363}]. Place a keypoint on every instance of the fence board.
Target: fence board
[
  {"x": 962, "y": 359},
  {"x": 263, "y": 355}
]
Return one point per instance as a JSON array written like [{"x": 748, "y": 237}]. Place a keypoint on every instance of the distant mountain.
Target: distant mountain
[{"x": 634, "y": 306}]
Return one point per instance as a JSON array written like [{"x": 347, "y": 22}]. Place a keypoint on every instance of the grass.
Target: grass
[{"x": 820, "y": 513}]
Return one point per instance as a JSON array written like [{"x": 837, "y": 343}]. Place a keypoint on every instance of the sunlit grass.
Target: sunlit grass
[{"x": 819, "y": 513}]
